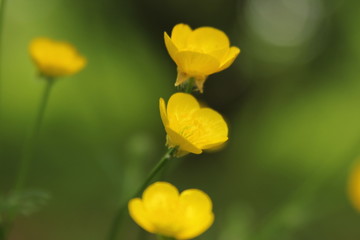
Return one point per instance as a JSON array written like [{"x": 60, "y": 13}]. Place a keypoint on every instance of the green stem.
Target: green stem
[
  {"x": 2, "y": 13},
  {"x": 159, "y": 166},
  {"x": 161, "y": 237},
  {"x": 32, "y": 140},
  {"x": 122, "y": 210},
  {"x": 189, "y": 85}
]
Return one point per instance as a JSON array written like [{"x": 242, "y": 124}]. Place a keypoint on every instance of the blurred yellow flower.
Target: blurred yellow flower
[
  {"x": 163, "y": 211},
  {"x": 55, "y": 59},
  {"x": 190, "y": 127},
  {"x": 199, "y": 53},
  {"x": 354, "y": 186}
]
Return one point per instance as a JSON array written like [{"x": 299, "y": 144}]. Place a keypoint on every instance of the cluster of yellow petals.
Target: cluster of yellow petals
[
  {"x": 199, "y": 53},
  {"x": 54, "y": 58},
  {"x": 162, "y": 210},
  {"x": 354, "y": 186},
  {"x": 189, "y": 126}
]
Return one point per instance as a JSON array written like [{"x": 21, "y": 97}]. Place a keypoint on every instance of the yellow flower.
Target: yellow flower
[
  {"x": 190, "y": 127},
  {"x": 199, "y": 53},
  {"x": 354, "y": 186},
  {"x": 162, "y": 210},
  {"x": 55, "y": 59}
]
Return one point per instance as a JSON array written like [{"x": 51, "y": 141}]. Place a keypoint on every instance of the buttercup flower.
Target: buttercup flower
[
  {"x": 190, "y": 127},
  {"x": 162, "y": 210},
  {"x": 55, "y": 59},
  {"x": 199, "y": 53},
  {"x": 354, "y": 186}
]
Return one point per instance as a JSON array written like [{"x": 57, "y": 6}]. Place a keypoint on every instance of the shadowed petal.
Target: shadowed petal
[
  {"x": 197, "y": 213},
  {"x": 163, "y": 114},
  {"x": 230, "y": 58},
  {"x": 212, "y": 128},
  {"x": 195, "y": 63},
  {"x": 176, "y": 139},
  {"x": 139, "y": 214},
  {"x": 171, "y": 48}
]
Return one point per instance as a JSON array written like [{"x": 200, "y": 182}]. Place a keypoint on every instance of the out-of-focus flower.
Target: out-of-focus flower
[
  {"x": 54, "y": 58},
  {"x": 199, "y": 53},
  {"x": 354, "y": 186},
  {"x": 190, "y": 127},
  {"x": 163, "y": 211}
]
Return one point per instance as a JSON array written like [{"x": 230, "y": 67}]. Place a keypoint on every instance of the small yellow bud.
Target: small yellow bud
[{"x": 55, "y": 59}]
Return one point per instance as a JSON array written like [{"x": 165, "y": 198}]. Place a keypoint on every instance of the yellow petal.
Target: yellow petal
[
  {"x": 37, "y": 47},
  {"x": 197, "y": 213},
  {"x": 160, "y": 196},
  {"x": 163, "y": 211},
  {"x": 55, "y": 58},
  {"x": 139, "y": 215},
  {"x": 180, "y": 105},
  {"x": 171, "y": 48},
  {"x": 184, "y": 145},
  {"x": 180, "y": 34},
  {"x": 161, "y": 200},
  {"x": 354, "y": 186},
  {"x": 163, "y": 114},
  {"x": 215, "y": 146},
  {"x": 195, "y": 202},
  {"x": 196, "y": 64},
  {"x": 207, "y": 39},
  {"x": 196, "y": 227},
  {"x": 220, "y": 54},
  {"x": 230, "y": 58},
  {"x": 212, "y": 128}
]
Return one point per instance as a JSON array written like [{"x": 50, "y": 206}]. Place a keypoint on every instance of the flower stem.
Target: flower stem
[
  {"x": 160, "y": 165},
  {"x": 189, "y": 85},
  {"x": 115, "y": 225},
  {"x": 32, "y": 140},
  {"x": 2, "y": 13},
  {"x": 161, "y": 237}
]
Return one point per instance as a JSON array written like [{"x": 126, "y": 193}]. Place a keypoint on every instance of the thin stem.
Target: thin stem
[
  {"x": 189, "y": 85},
  {"x": 159, "y": 166},
  {"x": 161, "y": 237},
  {"x": 2, "y": 13},
  {"x": 122, "y": 210},
  {"x": 32, "y": 140}
]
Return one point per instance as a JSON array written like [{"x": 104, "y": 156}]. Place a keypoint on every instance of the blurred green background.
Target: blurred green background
[{"x": 291, "y": 100}]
